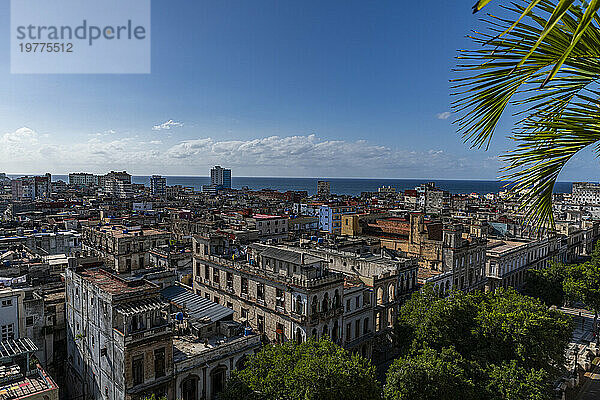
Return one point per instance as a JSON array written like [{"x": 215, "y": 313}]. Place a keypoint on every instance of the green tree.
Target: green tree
[
  {"x": 512, "y": 382},
  {"x": 546, "y": 284},
  {"x": 539, "y": 58},
  {"x": 511, "y": 326},
  {"x": 311, "y": 370},
  {"x": 431, "y": 375},
  {"x": 430, "y": 321},
  {"x": 489, "y": 328}
]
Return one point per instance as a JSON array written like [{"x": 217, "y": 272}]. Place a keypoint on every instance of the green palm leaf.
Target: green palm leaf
[{"x": 546, "y": 67}]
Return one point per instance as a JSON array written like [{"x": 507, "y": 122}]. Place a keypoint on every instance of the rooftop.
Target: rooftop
[
  {"x": 111, "y": 283},
  {"x": 12, "y": 348},
  {"x": 293, "y": 257},
  {"x": 188, "y": 346},
  {"x": 28, "y": 386},
  {"x": 195, "y": 305},
  {"x": 120, "y": 231}
]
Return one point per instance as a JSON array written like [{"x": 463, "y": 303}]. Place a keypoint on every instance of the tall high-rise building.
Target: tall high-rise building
[
  {"x": 220, "y": 177},
  {"x": 158, "y": 185},
  {"x": 323, "y": 188}
]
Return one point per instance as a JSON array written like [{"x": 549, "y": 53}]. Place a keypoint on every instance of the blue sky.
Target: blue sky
[{"x": 268, "y": 88}]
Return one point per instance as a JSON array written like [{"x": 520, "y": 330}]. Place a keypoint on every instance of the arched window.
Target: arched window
[
  {"x": 218, "y": 376},
  {"x": 378, "y": 321},
  {"x": 299, "y": 335},
  {"x": 325, "y": 331},
  {"x": 379, "y": 295},
  {"x": 325, "y": 303},
  {"x": 299, "y": 305},
  {"x": 366, "y": 326},
  {"x": 391, "y": 292},
  {"x": 336, "y": 299},
  {"x": 189, "y": 388},
  {"x": 314, "y": 305},
  {"x": 334, "y": 332}
]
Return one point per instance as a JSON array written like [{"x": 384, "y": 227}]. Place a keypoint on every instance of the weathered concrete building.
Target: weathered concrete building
[
  {"x": 123, "y": 248},
  {"x": 207, "y": 344},
  {"x": 119, "y": 340},
  {"x": 283, "y": 294}
]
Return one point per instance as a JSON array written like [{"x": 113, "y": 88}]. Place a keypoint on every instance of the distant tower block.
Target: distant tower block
[{"x": 323, "y": 188}]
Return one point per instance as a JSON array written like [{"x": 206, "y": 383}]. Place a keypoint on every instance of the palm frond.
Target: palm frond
[{"x": 549, "y": 77}]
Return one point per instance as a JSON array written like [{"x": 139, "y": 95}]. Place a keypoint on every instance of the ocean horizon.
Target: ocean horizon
[{"x": 342, "y": 186}]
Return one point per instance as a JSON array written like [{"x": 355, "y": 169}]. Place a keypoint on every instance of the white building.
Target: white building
[
  {"x": 586, "y": 193},
  {"x": 220, "y": 177},
  {"x": 158, "y": 185}
]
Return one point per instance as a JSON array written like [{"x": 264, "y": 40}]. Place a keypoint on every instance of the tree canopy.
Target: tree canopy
[
  {"x": 310, "y": 370},
  {"x": 507, "y": 345}
]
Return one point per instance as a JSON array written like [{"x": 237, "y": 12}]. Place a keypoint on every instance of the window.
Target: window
[
  {"x": 261, "y": 323},
  {"x": 216, "y": 275},
  {"x": 8, "y": 332},
  {"x": 348, "y": 332},
  {"x": 357, "y": 328},
  {"x": 230, "y": 281},
  {"x": 244, "y": 285},
  {"x": 141, "y": 262},
  {"x": 206, "y": 272},
  {"x": 7, "y": 303},
  {"x": 29, "y": 321},
  {"x": 128, "y": 263},
  {"x": 366, "y": 326},
  {"x": 217, "y": 300},
  {"x": 207, "y": 296},
  {"x": 260, "y": 291},
  {"x": 245, "y": 313},
  {"x": 348, "y": 305},
  {"x": 279, "y": 298},
  {"x": 279, "y": 333},
  {"x": 137, "y": 369},
  {"x": 159, "y": 363},
  {"x": 230, "y": 305}
]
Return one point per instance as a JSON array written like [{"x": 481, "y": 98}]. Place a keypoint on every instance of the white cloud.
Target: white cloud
[
  {"x": 303, "y": 155},
  {"x": 444, "y": 115},
  {"x": 167, "y": 125}
]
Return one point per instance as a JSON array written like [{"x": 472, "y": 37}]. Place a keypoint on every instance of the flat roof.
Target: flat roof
[
  {"x": 112, "y": 284},
  {"x": 294, "y": 257},
  {"x": 120, "y": 231}
]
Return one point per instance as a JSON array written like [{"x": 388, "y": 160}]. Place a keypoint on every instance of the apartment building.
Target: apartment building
[
  {"x": 280, "y": 293},
  {"x": 207, "y": 344},
  {"x": 330, "y": 217},
  {"x": 83, "y": 179},
  {"x": 220, "y": 177},
  {"x": 124, "y": 249},
  {"x": 31, "y": 187},
  {"x": 272, "y": 227},
  {"x": 585, "y": 193},
  {"x": 387, "y": 279},
  {"x": 119, "y": 341},
  {"x": 509, "y": 260},
  {"x": 323, "y": 189},
  {"x": 158, "y": 186},
  {"x": 21, "y": 375}
]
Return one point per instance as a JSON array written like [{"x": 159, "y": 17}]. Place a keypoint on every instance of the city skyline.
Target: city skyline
[{"x": 307, "y": 84}]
